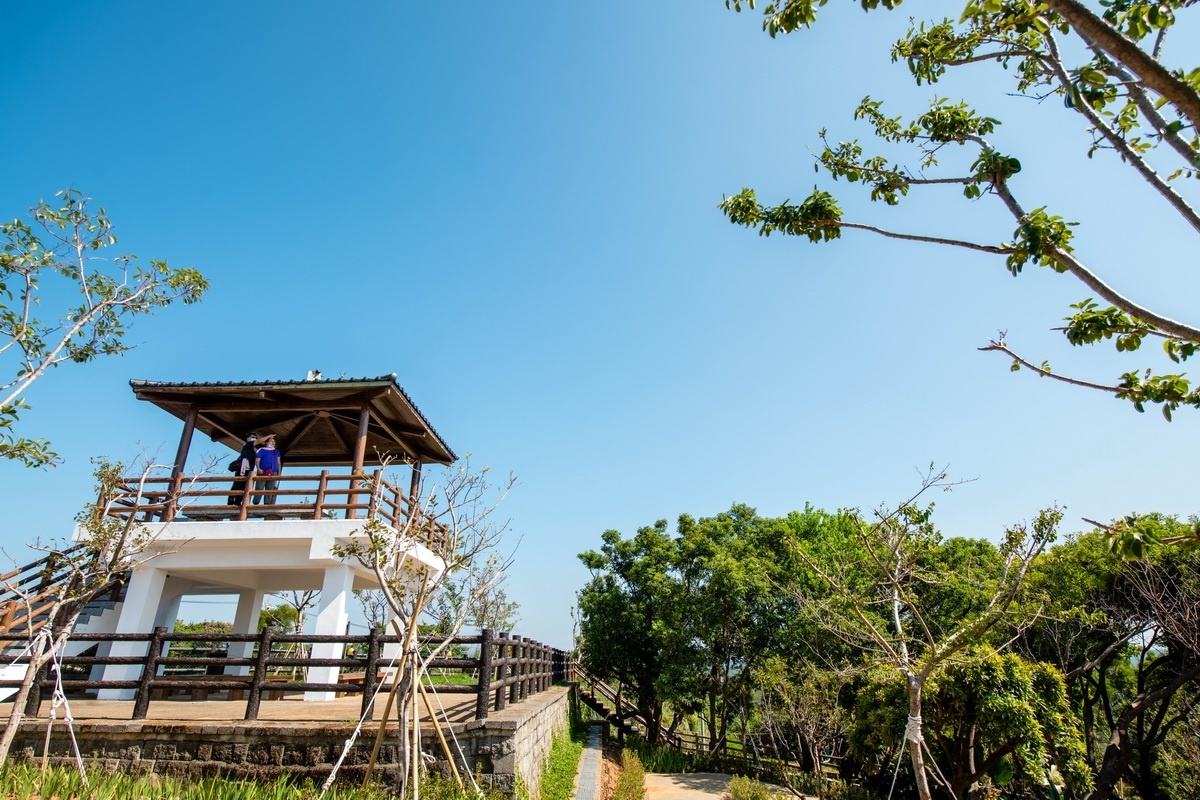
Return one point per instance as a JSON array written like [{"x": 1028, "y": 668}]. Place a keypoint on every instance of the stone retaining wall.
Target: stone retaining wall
[{"x": 509, "y": 745}]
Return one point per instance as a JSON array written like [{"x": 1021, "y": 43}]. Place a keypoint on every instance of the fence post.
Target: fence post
[
  {"x": 172, "y": 499},
  {"x": 504, "y": 650},
  {"x": 260, "y": 673},
  {"x": 322, "y": 485},
  {"x": 485, "y": 674},
  {"x": 539, "y": 682},
  {"x": 526, "y": 667},
  {"x": 514, "y": 656},
  {"x": 376, "y": 492},
  {"x": 535, "y": 667},
  {"x": 371, "y": 674},
  {"x": 244, "y": 509},
  {"x": 141, "y": 704}
]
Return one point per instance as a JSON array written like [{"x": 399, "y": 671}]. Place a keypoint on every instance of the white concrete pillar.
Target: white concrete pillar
[
  {"x": 168, "y": 613},
  {"x": 331, "y": 620},
  {"x": 139, "y": 612},
  {"x": 245, "y": 620}
]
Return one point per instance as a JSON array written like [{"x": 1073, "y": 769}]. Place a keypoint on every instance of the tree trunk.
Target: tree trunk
[
  {"x": 36, "y": 660},
  {"x": 1119, "y": 749},
  {"x": 914, "y": 747}
]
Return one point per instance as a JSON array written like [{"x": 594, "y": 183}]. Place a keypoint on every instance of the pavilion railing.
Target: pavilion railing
[
  {"x": 505, "y": 669},
  {"x": 323, "y": 495}
]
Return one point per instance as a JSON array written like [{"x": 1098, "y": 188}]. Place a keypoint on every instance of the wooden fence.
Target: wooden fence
[
  {"x": 734, "y": 754},
  {"x": 324, "y": 495},
  {"x": 507, "y": 669}
]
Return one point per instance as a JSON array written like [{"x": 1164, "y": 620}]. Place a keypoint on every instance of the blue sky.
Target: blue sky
[{"x": 513, "y": 208}]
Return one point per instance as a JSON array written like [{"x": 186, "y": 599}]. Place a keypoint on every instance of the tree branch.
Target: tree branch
[
  {"x": 1122, "y": 146},
  {"x": 1001, "y": 347},
  {"x": 1112, "y": 41}
]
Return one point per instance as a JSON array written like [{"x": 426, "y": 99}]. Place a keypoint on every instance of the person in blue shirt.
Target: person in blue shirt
[{"x": 270, "y": 464}]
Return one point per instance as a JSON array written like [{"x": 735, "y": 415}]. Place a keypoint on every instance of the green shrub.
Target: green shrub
[
  {"x": 663, "y": 758},
  {"x": 632, "y": 783},
  {"x": 437, "y": 787},
  {"x": 747, "y": 789}
]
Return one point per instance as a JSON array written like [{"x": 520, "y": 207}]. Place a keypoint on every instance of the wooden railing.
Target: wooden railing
[
  {"x": 622, "y": 710},
  {"x": 324, "y": 495},
  {"x": 733, "y": 754},
  {"x": 26, "y": 592},
  {"x": 507, "y": 668}
]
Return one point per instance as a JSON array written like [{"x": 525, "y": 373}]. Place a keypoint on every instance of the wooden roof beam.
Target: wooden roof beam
[{"x": 212, "y": 423}]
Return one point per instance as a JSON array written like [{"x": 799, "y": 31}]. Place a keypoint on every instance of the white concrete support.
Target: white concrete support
[
  {"x": 139, "y": 613},
  {"x": 168, "y": 613},
  {"x": 245, "y": 620},
  {"x": 331, "y": 620}
]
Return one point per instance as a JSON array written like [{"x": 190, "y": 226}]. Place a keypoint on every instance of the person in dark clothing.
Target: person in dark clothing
[{"x": 247, "y": 462}]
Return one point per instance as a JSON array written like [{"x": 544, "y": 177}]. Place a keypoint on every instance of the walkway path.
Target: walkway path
[
  {"x": 690, "y": 786},
  {"x": 591, "y": 768}
]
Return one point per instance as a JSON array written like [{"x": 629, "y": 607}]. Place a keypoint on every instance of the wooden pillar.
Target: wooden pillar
[
  {"x": 483, "y": 692},
  {"x": 360, "y": 455},
  {"x": 185, "y": 441},
  {"x": 181, "y": 454},
  {"x": 371, "y": 673},
  {"x": 141, "y": 703},
  {"x": 360, "y": 443},
  {"x": 414, "y": 490},
  {"x": 259, "y": 677}
]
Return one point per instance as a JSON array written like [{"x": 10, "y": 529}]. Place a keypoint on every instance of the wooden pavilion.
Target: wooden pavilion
[{"x": 253, "y": 540}]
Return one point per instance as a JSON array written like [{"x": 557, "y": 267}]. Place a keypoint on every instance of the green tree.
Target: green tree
[
  {"x": 632, "y": 614},
  {"x": 1108, "y": 65},
  {"x": 59, "y": 255},
  {"x": 888, "y": 621},
  {"x": 282, "y": 616},
  {"x": 1127, "y": 637},
  {"x": 215, "y": 628},
  {"x": 989, "y": 718},
  {"x": 732, "y": 611}
]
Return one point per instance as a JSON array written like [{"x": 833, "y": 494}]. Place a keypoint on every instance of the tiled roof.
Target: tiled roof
[{"x": 326, "y": 382}]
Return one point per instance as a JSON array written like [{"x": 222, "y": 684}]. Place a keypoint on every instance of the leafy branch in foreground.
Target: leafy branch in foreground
[
  {"x": 1109, "y": 67},
  {"x": 58, "y": 256},
  {"x": 111, "y": 545}
]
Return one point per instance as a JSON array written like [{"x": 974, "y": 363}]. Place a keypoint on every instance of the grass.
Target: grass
[
  {"x": 22, "y": 780},
  {"x": 663, "y": 758},
  {"x": 451, "y": 679},
  {"x": 558, "y": 773}
]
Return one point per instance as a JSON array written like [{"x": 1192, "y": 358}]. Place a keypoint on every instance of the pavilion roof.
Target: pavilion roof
[{"x": 315, "y": 422}]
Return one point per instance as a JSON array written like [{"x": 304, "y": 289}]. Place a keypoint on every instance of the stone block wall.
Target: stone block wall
[{"x": 509, "y": 745}]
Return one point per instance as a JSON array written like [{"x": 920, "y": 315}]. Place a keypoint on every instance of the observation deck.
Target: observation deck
[{"x": 225, "y": 534}]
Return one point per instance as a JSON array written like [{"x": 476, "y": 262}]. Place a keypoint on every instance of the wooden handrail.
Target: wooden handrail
[
  {"x": 505, "y": 663},
  {"x": 170, "y": 498}
]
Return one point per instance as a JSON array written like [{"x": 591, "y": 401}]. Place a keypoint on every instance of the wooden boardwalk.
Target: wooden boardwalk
[{"x": 461, "y": 709}]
